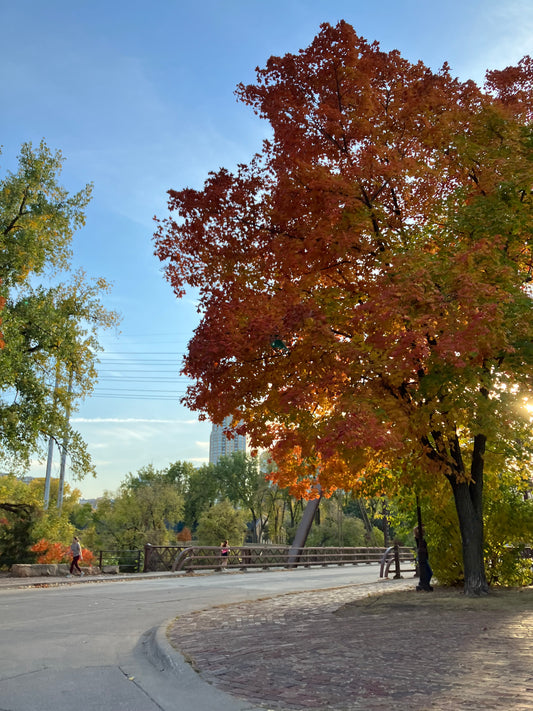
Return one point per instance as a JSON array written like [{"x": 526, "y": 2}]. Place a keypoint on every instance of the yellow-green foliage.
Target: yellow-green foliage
[
  {"x": 144, "y": 510},
  {"x": 346, "y": 532},
  {"x": 51, "y": 524},
  {"x": 19, "y": 531},
  {"x": 508, "y": 528},
  {"x": 221, "y": 522}
]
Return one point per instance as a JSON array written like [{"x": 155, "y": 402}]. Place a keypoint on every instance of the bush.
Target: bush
[
  {"x": 16, "y": 525},
  {"x": 48, "y": 552},
  {"x": 328, "y": 533},
  {"x": 508, "y": 530},
  {"x": 185, "y": 535},
  {"x": 221, "y": 522},
  {"x": 352, "y": 534}
]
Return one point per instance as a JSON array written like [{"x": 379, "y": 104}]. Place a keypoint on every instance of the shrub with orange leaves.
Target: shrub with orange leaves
[
  {"x": 184, "y": 535},
  {"x": 48, "y": 552}
]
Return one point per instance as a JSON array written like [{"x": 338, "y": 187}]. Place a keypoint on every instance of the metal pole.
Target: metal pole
[
  {"x": 48, "y": 472},
  {"x": 64, "y": 445},
  {"x": 386, "y": 529},
  {"x": 48, "y": 475}
]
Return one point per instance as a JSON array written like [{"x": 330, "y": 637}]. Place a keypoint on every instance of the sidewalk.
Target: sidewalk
[
  {"x": 43, "y": 581},
  {"x": 365, "y": 649}
]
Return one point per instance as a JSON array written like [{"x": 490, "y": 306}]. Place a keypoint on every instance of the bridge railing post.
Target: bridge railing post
[
  {"x": 397, "y": 573},
  {"x": 147, "y": 554}
]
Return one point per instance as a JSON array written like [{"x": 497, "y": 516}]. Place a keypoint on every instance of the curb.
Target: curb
[
  {"x": 195, "y": 691},
  {"x": 160, "y": 652},
  {"x": 55, "y": 581}
]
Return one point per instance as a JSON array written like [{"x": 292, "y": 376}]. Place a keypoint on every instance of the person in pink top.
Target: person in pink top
[{"x": 224, "y": 552}]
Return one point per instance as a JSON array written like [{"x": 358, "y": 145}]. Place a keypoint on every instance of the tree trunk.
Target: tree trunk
[
  {"x": 468, "y": 498},
  {"x": 255, "y": 537}
]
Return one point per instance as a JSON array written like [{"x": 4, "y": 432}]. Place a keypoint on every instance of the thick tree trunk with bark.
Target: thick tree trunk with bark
[{"x": 468, "y": 498}]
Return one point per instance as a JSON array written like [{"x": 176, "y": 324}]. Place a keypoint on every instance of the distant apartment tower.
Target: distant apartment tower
[{"x": 220, "y": 445}]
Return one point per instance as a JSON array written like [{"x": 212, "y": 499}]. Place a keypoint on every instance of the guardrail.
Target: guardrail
[
  {"x": 265, "y": 557},
  {"x": 127, "y": 561},
  {"x": 158, "y": 558},
  {"x": 398, "y": 554}
]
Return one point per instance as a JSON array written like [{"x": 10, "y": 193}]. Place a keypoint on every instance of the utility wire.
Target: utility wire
[
  {"x": 128, "y": 363},
  {"x": 137, "y": 396}
]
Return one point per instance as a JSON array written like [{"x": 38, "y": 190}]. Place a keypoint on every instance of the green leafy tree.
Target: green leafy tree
[
  {"x": 51, "y": 317},
  {"x": 81, "y": 516},
  {"x": 179, "y": 473},
  {"x": 508, "y": 527},
  {"x": 145, "y": 510},
  {"x": 202, "y": 491},
  {"x": 221, "y": 522},
  {"x": 243, "y": 483},
  {"x": 16, "y": 533},
  {"x": 507, "y": 520},
  {"x": 25, "y": 521},
  {"x": 55, "y": 524},
  {"x": 338, "y": 529}
]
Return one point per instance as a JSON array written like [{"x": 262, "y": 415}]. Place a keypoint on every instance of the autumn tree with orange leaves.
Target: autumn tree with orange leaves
[{"x": 364, "y": 279}]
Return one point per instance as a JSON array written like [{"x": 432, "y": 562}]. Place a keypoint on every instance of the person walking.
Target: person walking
[
  {"x": 75, "y": 550},
  {"x": 424, "y": 568},
  {"x": 224, "y": 552}
]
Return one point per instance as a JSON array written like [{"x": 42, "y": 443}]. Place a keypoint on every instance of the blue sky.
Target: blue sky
[{"x": 139, "y": 97}]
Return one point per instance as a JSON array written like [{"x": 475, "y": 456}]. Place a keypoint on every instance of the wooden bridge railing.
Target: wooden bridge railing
[
  {"x": 160, "y": 558},
  {"x": 244, "y": 557}
]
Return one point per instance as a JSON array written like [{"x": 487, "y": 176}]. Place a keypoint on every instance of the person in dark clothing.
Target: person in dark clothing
[
  {"x": 75, "y": 550},
  {"x": 424, "y": 568}
]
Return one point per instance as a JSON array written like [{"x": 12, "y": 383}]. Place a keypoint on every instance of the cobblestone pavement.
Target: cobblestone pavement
[{"x": 326, "y": 650}]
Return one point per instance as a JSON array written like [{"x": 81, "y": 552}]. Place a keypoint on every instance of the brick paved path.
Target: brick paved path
[{"x": 315, "y": 650}]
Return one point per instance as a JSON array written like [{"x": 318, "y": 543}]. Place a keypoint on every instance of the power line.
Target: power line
[
  {"x": 136, "y": 396},
  {"x": 107, "y": 381},
  {"x": 165, "y": 362},
  {"x": 133, "y": 364},
  {"x": 115, "y": 372}
]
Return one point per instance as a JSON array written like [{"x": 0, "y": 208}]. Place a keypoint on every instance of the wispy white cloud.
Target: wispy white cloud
[{"x": 498, "y": 37}]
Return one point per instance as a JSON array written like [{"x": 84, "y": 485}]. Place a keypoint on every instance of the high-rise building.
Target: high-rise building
[{"x": 221, "y": 446}]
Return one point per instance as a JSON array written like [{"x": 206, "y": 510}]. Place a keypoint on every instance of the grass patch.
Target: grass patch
[{"x": 509, "y": 600}]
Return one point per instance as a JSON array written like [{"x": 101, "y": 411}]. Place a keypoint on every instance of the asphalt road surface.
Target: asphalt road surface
[{"x": 90, "y": 645}]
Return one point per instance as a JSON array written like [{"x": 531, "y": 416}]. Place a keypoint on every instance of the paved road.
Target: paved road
[
  {"x": 117, "y": 645},
  {"x": 85, "y": 645}
]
